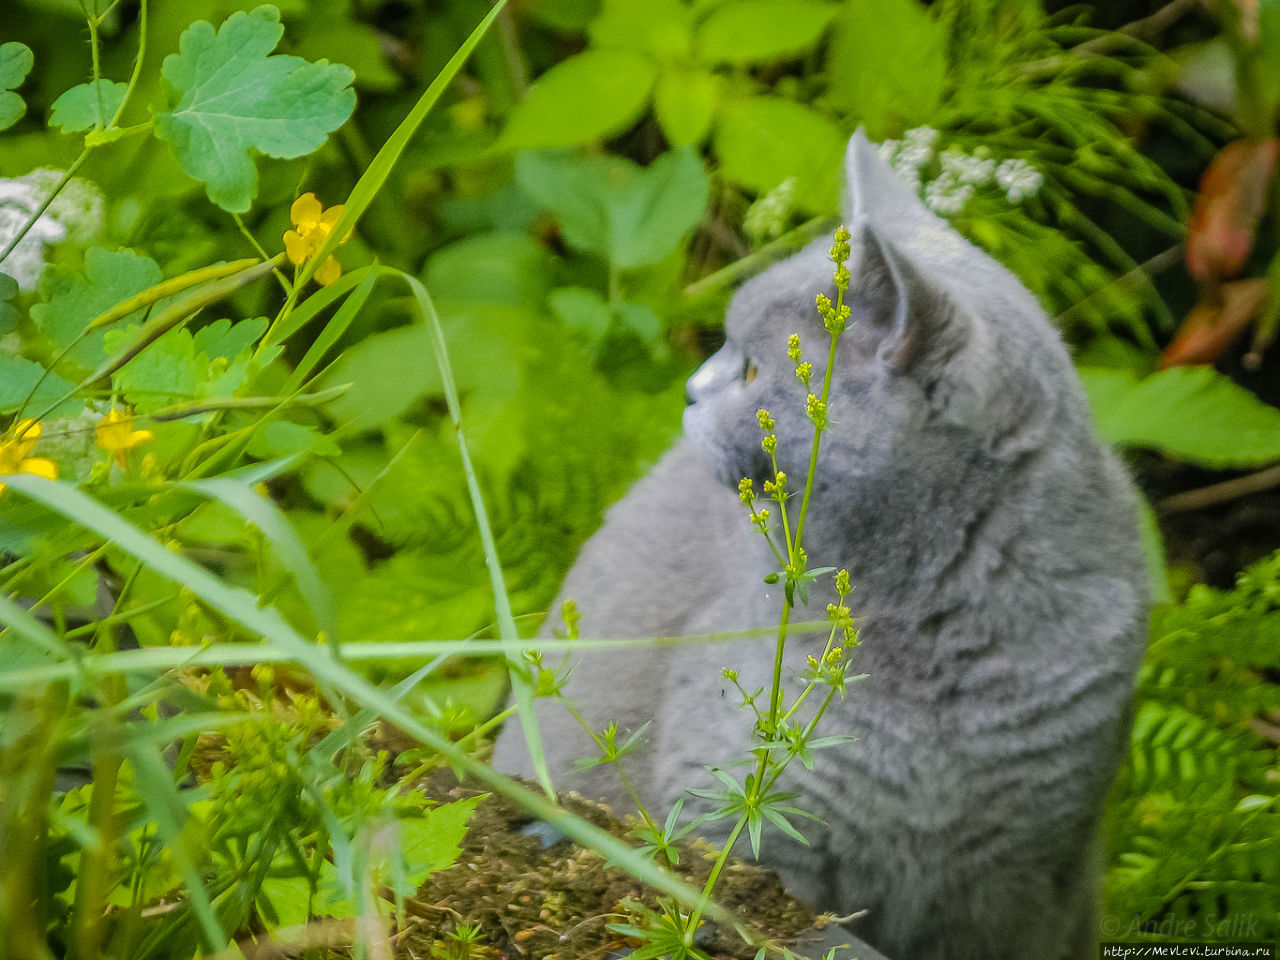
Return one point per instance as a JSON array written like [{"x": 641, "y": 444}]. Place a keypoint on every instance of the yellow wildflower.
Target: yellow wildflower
[
  {"x": 312, "y": 226},
  {"x": 14, "y": 450},
  {"x": 117, "y": 436}
]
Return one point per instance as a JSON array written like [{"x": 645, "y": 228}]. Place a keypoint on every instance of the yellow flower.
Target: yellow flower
[
  {"x": 312, "y": 224},
  {"x": 117, "y": 436},
  {"x": 13, "y": 453}
]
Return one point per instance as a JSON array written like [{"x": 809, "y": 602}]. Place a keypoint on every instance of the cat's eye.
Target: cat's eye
[{"x": 749, "y": 370}]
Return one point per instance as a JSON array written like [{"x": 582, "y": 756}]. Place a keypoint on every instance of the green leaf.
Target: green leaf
[
  {"x": 641, "y": 320},
  {"x": 752, "y": 31},
  {"x": 280, "y": 438},
  {"x": 178, "y": 366},
  {"x": 590, "y": 95},
  {"x": 886, "y": 64},
  {"x": 165, "y": 372},
  {"x": 631, "y": 216},
  {"x": 288, "y": 897},
  {"x": 87, "y": 105},
  {"x": 9, "y": 315},
  {"x": 392, "y": 370},
  {"x": 582, "y": 311},
  {"x": 1194, "y": 413},
  {"x": 19, "y": 376},
  {"x": 507, "y": 268},
  {"x": 568, "y": 16},
  {"x": 432, "y": 841},
  {"x": 685, "y": 101},
  {"x": 762, "y": 141},
  {"x": 662, "y": 28},
  {"x": 222, "y": 339},
  {"x": 234, "y": 97},
  {"x": 72, "y": 299},
  {"x": 15, "y": 63}
]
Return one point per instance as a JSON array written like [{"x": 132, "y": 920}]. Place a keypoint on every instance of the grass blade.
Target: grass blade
[
  {"x": 268, "y": 518},
  {"x": 379, "y": 169},
  {"x": 520, "y": 684},
  {"x": 241, "y": 606}
]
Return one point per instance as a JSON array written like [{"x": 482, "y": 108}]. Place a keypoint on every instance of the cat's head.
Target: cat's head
[{"x": 948, "y": 365}]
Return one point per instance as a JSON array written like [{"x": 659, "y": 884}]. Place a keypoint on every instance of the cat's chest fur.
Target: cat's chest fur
[{"x": 998, "y": 580}]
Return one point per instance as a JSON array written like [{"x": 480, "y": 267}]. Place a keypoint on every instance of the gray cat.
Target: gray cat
[{"x": 999, "y": 582}]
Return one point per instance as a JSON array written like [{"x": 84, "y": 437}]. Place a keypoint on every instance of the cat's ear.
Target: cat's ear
[
  {"x": 873, "y": 192},
  {"x": 901, "y": 315}
]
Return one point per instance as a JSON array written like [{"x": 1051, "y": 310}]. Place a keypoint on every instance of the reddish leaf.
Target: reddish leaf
[
  {"x": 1233, "y": 194},
  {"x": 1211, "y": 326}
]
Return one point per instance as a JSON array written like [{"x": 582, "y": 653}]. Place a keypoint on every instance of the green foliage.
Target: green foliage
[
  {"x": 781, "y": 731},
  {"x": 255, "y": 469},
  {"x": 234, "y": 96},
  {"x": 631, "y": 217},
  {"x": 1195, "y": 813},
  {"x": 15, "y": 63},
  {"x": 887, "y": 64},
  {"x": 755, "y": 31},
  {"x": 71, "y": 299},
  {"x": 594, "y": 94},
  {"x": 1193, "y": 413},
  {"x": 87, "y": 105}
]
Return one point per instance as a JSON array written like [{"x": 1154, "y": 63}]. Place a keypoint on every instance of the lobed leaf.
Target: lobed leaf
[
  {"x": 15, "y": 63},
  {"x": 234, "y": 96},
  {"x": 73, "y": 299},
  {"x": 87, "y": 105}
]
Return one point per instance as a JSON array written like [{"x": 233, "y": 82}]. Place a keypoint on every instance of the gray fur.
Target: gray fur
[{"x": 993, "y": 545}]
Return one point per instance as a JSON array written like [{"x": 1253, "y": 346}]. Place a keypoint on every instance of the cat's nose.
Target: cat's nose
[{"x": 703, "y": 379}]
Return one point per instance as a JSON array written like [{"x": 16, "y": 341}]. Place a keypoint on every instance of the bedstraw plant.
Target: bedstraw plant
[{"x": 781, "y": 731}]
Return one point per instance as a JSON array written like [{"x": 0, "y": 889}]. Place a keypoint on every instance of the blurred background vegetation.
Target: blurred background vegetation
[{"x": 580, "y": 203}]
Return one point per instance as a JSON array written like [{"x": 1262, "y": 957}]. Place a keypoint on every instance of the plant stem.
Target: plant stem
[
  {"x": 39, "y": 211},
  {"x": 817, "y": 433},
  {"x": 137, "y": 62},
  {"x": 696, "y": 916}
]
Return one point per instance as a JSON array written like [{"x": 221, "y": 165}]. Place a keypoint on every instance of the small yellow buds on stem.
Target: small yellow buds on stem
[
  {"x": 816, "y": 410},
  {"x": 839, "y": 256},
  {"x": 766, "y": 422},
  {"x": 835, "y": 317},
  {"x": 842, "y": 583},
  {"x": 15, "y": 449},
  {"x": 571, "y": 615}
]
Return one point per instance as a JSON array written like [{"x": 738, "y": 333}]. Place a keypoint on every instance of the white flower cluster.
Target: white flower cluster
[
  {"x": 961, "y": 173},
  {"x": 75, "y": 214},
  {"x": 767, "y": 217},
  {"x": 910, "y": 154},
  {"x": 1019, "y": 179}
]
